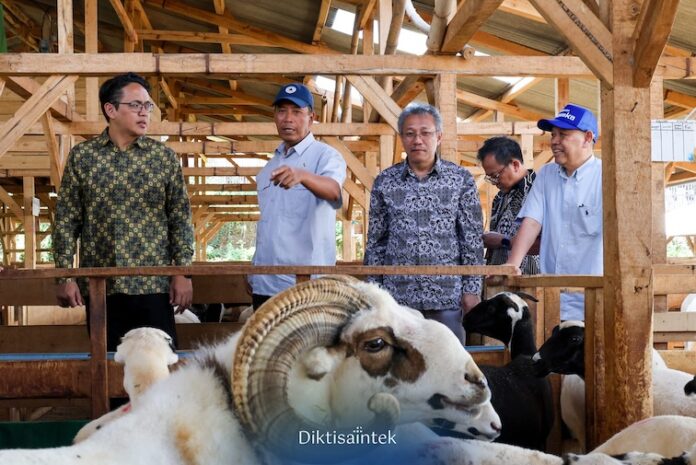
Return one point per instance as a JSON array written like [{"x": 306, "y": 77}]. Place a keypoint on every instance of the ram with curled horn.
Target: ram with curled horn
[{"x": 330, "y": 355}]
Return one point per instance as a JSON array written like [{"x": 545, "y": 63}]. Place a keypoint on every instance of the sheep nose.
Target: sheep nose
[
  {"x": 477, "y": 379},
  {"x": 497, "y": 428}
]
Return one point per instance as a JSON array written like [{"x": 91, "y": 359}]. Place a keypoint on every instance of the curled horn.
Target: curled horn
[{"x": 308, "y": 315}]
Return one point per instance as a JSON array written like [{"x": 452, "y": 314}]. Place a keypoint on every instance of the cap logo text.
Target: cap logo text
[{"x": 566, "y": 114}]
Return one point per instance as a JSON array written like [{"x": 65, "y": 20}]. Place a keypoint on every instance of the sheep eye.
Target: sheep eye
[
  {"x": 375, "y": 345},
  {"x": 575, "y": 340}
]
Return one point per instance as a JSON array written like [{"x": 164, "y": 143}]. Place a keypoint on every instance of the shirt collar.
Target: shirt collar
[
  {"x": 103, "y": 139},
  {"x": 299, "y": 148},
  {"x": 520, "y": 185},
  {"x": 581, "y": 171},
  {"x": 434, "y": 171}
]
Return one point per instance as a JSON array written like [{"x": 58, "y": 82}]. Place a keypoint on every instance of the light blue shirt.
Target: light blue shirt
[
  {"x": 569, "y": 209},
  {"x": 296, "y": 227}
]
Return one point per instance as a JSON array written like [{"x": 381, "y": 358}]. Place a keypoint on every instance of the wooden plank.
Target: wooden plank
[
  {"x": 22, "y": 64},
  {"x": 54, "y": 153},
  {"x": 25, "y": 87},
  {"x": 552, "y": 317},
  {"x": 97, "y": 362},
  {"x": 469, "y": 17},
  {"x": 355, "y": 165},
  {"x": 322, "y": 14},
  {"x": 32, "y": 110},
  {"x": 675, "y": 322},
  {"x": 29, "y": 223},
  {"x": 446, "y": 98},
  {"x": 92, "y": 111},
  {"x": 356, "y": 192},
  {"x": 386, "y": 151},
  {"x": 378, "y": 98},
  {"x": 162, "y": 35},
  {"x": 674, "y": 284},
  {"x": 651, "y": 34},
  {"x": 628, "y": 290},
  {"x": 476, "y": 100},
  {"x": 682, "y": 360},
  {"x": 126, "y": 22},
  {"x": 584, "y": 32},
  {"x": 7, "y": 199},
  {"x": 523, "y": 9}
]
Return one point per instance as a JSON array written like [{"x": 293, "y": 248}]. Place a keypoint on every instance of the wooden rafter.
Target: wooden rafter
[
  {"x": 494, "y": 42},
  {"x": 32, "y": 110},
  {"x": 161, "y": 35},
  {"x": 126, "y": 22},
  {"x": 470, "y": 15},
  {"x": 652, "y": 31},
  {"x": 523, "y": 9},
  {"x": 585, "y": 33},
  {"x": 354, "y": 164},
  {"x": 677, "y": 98},
  {"x": 378, "y": 98},
  {"x": 494, "y": 105},
  {"x": 25, "y": 87},
  {"x": 53, "y": 148},
  {"x": 514, "y": 91},
  {"x": 322, "y": 14},
  {"x": 14, "y": 207}
]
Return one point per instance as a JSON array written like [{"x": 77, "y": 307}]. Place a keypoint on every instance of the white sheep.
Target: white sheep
[
  {"x": 146, "y": 354},
  {"x": 232, "y": 402},
  {"x": 667, "y": 435}
]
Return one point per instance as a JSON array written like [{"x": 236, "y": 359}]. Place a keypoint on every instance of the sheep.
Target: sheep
[
  {"x": 232, "y": 402},
  {"x": 146, "y": 354},
  {"x": 522, "y": 400},
  {"x": 563, "y": 353},
  {"x": 186, "y": 317},
  {"x": 690, "y": 388},
  {"x": 667, "y": 435}
]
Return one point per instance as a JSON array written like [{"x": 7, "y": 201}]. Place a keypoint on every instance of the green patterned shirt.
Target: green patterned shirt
[{"x": 127, "y": 208}]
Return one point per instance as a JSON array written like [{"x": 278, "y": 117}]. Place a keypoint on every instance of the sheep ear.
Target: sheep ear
[
  {"x": 173, "y": 358},
  {"x": 524, "y": 295}
]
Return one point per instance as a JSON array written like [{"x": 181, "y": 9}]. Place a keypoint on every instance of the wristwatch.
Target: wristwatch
[{"x": 505, "y": 242}]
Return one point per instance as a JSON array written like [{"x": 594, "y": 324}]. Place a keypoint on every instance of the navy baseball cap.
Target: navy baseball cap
[
  {"x": 572, "y": 117},
  {"x": 296, "y": 93}
]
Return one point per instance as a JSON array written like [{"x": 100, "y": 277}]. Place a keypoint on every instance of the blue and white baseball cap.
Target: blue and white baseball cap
[
  {"x": 572, "y": 117},
  {"x": 296, "y": 93}
]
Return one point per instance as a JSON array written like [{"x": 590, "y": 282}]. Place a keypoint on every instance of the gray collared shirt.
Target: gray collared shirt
[
  {"x": 296, "y": 227},
  {"x": 436, "y": 220}
]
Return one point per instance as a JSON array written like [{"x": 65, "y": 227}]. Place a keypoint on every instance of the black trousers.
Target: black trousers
[
  {"x": 125, "y": 312},
  {"x": 450, "y": 318},
  {"x": 257, "y": 300}
]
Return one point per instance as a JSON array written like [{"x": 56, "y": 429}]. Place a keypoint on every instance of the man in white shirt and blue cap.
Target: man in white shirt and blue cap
[
  {"x": 565, "y": 206},
  {"x": 299, "y": 192}
]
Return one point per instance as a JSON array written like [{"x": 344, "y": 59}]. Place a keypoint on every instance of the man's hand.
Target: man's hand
[
  {"x": 499, "y": 280},
  {"x": 287, "y": 176},
  {"x": 180, "y": 292},
  {"x": 68, "y": 295},
  {"x": 469, "y": 301}
]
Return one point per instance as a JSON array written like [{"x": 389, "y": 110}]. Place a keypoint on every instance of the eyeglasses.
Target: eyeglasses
[
  {"x": 136, "y": 106},
  {"x": 412, "y": 135},
  {"x": 495, "y": 178}
]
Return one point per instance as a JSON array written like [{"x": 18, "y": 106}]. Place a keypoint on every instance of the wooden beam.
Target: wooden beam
[
  {"x": 20, "y": 64},
  {"x": 446, "y": 101},
  {"x": 14, "y": 207},
  {"x": 523, "y": 9},
  {"x": 355, "y": 165},
  {"x": 32, "y": 110},
  {"x": 652, "y": 31},
  {"x": 482, "y": 102},
  {"x": 585, "y": 33},
  {"x": 226, "y": 20},
  {"x": 25, "y": 87},
  {"x": 356, "y": 192},
  {"x": 507, "y": 47},
  {"x": 470, "y": 15},
  {"x": 628, "y": 275},
  {"x": 29, "y": 224},
  {"x": 126, "y": 22},
  {"x": 54, "y": 153},
  {"x": 508, "y": 96},
  {"x": 378, "y": 98},
  {"x": 561, "y": 94},
  {"x": 677, "y": 67},
  {"x": 162, "y": 35},
  {"x": 322, "y": 14},
  {"x": 92, "y": 110},
  {"x": 682, "y": 100}
]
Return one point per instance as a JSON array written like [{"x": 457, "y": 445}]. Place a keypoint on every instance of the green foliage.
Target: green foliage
[
  {"x": 234, "y": 242},
  {"x": 678, "y": 248}
]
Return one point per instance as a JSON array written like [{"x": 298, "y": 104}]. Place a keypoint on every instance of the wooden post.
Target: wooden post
[
  {"x": 628, "y": 236},
  {"x": 65, "y": 39},
  {"x": 446, "y": 101},
  {"x": 97, "y": 336},
  {"x": 595, "y": 400},
  {"x": 348, "y": 249},
  {"x": 527, "y": 145},
  {"x": 552, "y": 317},
  {"x": 92, "y": 110},
  {"x": 29, "y": 224},
  {"x": 562, "y": 93}
]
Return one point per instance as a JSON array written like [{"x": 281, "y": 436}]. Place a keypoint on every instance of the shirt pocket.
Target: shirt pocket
[
  {"x": 590, "y": 220},
  {"x": 297, "y": 201}
]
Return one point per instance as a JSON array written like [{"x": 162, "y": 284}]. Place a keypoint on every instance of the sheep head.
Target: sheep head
[
  {"x": 148, "y": 340},
  {"x": 496, "y": 317},
  {"x": 563, "y": 352},
  {"x": 386, "y": 363}
]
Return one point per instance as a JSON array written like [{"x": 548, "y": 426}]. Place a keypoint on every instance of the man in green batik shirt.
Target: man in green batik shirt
[{"x": 123, "y": 197}]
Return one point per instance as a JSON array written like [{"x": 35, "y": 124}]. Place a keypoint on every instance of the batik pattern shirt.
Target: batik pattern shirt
[
  {"x": 127, "y": 208},
  {"x": 435, "y": 220},
  {"x": 506, "y": 206}
]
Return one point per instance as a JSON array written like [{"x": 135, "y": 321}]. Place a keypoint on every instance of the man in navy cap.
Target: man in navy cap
[
  {"x": 299, "y": 190},
  {"x": 565, "y": 206}
]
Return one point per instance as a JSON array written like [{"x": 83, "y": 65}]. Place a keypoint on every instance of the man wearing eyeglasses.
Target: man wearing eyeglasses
[
  {"x": 426, "y": 211},
  {"x": 123, "y": 197},
  {"x": 565, "y": 205},
  {"x": 503, "y": 163}
]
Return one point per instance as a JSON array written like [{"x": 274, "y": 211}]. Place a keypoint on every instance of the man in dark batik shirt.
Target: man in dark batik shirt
[
  {"x": 426, "y": 211},
  {"x": 123, "y": 197}
]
